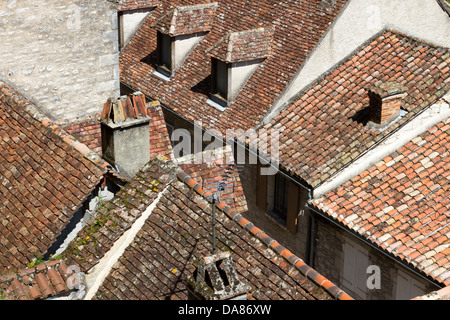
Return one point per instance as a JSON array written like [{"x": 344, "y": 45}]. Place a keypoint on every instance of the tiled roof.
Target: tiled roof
[
  {"x": 46, "y": 280},
  {"x": 45, "y": 176},
  {"x": 442, "y": 294},
  {"x": 243, "y": 45},
  {"x": 324, "y": 129},
  {"x": 216, "y": 166},
  {"x": 178, "y": 233},
  {"x": 125, "y": 5},
  {"x": 160, "y": 143},
  {"x": 185, "y": 20},
  {"x": 298, "y": 27},
  {"x": 87, "y": 131},
  {"x": 402, "y": 203},
  {"x": 126, "y": 107}
]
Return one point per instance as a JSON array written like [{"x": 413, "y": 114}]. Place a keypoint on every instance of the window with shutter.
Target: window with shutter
[{"x": 356, "y": 262}]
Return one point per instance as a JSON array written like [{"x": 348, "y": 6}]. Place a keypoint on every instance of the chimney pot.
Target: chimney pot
[{"x": 126, "y": 133}]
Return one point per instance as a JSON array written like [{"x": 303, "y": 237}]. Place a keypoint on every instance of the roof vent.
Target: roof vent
[
  {"x": 216, "y": 279},
  {"x": 386, "y": 102},
  {"x": 125, "y": 133}
]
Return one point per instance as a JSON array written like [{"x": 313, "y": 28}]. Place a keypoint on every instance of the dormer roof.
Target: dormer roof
[
  {"x": 185, "y": 20},
  {"x": 243, "y": 45}
]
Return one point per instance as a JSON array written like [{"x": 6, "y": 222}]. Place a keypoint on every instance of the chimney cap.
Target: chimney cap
[
  {"x": 388, "y": 89},
  {"x": 132, "y": 107}
]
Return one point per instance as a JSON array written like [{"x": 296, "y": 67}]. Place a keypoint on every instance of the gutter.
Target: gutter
[{"x": 393, "y": 258}]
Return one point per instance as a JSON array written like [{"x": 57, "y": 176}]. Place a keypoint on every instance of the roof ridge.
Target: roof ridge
[
  {"x": 294, "y": 260},
  {"x": 23, "y": 104}
]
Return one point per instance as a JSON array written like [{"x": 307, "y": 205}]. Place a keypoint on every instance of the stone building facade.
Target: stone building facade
[{"x": 61, "y": 54}]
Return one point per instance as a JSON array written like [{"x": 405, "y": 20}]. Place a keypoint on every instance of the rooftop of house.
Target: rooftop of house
[
  {"x": 88, "y": 131},
  {"x": 402, "y": 203},
  {"x": 442, "y": 294},
  {"x": 177, "y": 235},
  {"x": 46, "y": 280},
  {"x": 210, "y": 167},
  {"x": 186, "y": 20},
  {"x": 325, "y": 128},
  {"x": 45, "y": 177},
  {"x": 297, "y": 27},
  {"x": 127, "y": 5}
]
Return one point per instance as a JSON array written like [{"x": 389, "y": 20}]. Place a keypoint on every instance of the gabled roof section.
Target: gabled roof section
[
  {"x": 185, "y": 20},
  {"x": 45, "y": 177},
  {"x": 298, "y": 27},
  {"x": 177, "y": 233},
  {"x": 243, "y": 45},
  {"x": 402, "y": 203},
  {"x": 324, "y": 129}
]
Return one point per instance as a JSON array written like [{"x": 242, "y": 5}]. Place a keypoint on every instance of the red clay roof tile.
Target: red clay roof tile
[
  {"x": 42, "y": 180},
  {"x": 419, "y": 227}
]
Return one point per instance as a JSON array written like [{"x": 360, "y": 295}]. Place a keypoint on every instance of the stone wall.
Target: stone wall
[
  {"x": 61, "y": 54},
  {"x": 298, "y": 242}
]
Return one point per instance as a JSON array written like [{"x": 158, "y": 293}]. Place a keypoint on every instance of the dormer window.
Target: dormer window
[
  {"x": 220, "y": 75},
  {"x": 164, "y": 45},
  {"x": 234, "y": 59},
  {"x": 178, "y": 32}
]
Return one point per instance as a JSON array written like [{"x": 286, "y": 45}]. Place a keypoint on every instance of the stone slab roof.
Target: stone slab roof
[
  {"x": 45, "y": 177},
  {"x": 298, "y": 27},
  {"x": 402, "y": 203},
  {"x": 177, "y": 234},
  {"x": 324, "y": 129}
]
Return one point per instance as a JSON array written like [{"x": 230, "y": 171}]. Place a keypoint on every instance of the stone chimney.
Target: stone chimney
[
  {"x": 216, "y": 279},
  {"x": 386, "y": 101},
  {"x": 125, "y": 133}
]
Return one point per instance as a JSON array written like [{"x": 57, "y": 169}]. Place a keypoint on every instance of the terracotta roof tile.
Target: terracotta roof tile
[
  {"x": 321, "y": 133},
  {"x": 177, "y": 234},
  {"x": 298, "y": 27},
  {"x": 243, "y": 45},
  {"x": 48, "y": 279},
  {"x": 45, "y": 177},
  {"x": 125, "y": 5},
  {"x": 186, "y": 20},
  {"x": 414, "y": 227}
]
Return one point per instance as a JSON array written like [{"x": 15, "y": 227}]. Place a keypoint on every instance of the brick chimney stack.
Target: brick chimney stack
[
  {"x": 126, "y": 133},
  {"x": 386, "y": 101}
]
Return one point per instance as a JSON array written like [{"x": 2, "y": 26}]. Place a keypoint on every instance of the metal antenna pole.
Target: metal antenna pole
[
  {"x": 217, "y": 187},
  {"x": 214, "y": 224}
]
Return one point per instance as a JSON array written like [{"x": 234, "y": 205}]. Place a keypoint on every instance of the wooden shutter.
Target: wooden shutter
[
  {"x": 292, "y": 207},
  {"x": 261, "y": 189}
]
